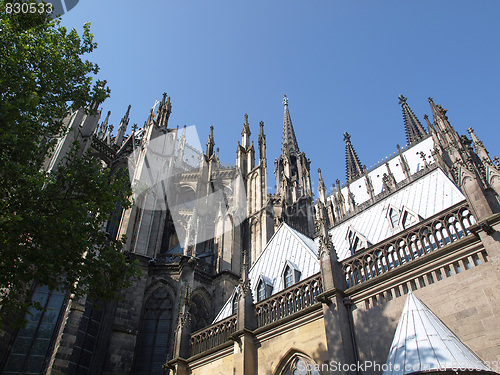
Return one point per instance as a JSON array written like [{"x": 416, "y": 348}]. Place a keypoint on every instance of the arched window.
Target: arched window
[
  {"x": 394, "y": 217},
  {"x": 289, "y": 280},
  {"x": 261, "y": 291},
  {"x": 33, "y": 341},
  {"x": 155, "y": 333},
  {"x": 300, "y": 365}
]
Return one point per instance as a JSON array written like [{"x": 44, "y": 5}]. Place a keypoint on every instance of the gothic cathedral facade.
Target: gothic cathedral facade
[{"x": 239, "y": 281}]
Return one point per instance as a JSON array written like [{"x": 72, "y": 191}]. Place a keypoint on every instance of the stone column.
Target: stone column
[
  {"x": 336, "y": 312},
  {"x": 245, "y": 351}
]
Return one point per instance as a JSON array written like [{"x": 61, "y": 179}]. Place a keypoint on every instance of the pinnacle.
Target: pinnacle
[
  {"x": 413, "y": 128},
  {"x": 353, "y": 165}
]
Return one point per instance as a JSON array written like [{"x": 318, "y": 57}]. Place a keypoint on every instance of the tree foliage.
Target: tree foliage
[{"x": 51, "y": 223}]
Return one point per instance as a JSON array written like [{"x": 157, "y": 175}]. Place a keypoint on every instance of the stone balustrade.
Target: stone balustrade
[
  {"x": 431, "y": 234},
  {"x": 213, "y": 335},
  {"x": 289, "y": 301}
]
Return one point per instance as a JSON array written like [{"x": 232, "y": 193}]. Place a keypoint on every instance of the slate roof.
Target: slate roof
[
  {"x": 425, "y": 197},
  {"x": 415, "y": 164},
  {"x": 285, "y": 245},
  {"x": 422, "y": 342}
]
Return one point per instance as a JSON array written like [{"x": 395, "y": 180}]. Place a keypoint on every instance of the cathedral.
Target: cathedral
[{"x": 393, "y": 272}]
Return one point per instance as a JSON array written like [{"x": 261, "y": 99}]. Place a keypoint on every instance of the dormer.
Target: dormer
[
  {"x": 356, "y": 240},
  {"x": 264, "y": 288},
  {"x": 408, "y": 218},
  {"x": 290, "y": 274},
  {"x": 393, "y": 215}
]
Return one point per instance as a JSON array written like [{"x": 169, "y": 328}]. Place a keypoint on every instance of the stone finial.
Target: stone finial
[{"x": 285, "y": 100}]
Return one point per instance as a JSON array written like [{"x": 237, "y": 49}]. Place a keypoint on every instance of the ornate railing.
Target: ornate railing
[
  {"x": 213, "y": 335},
  {"x": 427, "y": 236},
  {"x": 289, "y": 301}
]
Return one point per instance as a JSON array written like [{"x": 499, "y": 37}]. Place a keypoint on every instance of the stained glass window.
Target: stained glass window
[{"x": 33, "y": 341}]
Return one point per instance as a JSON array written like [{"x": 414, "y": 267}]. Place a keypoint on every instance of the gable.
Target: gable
[{"x": 286, "y": 246}]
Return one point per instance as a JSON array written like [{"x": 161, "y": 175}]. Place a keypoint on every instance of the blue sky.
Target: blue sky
[{"x": 342, "y": 65}]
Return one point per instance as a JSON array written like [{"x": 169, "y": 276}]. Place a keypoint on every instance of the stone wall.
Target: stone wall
[{"x": 463, "y": 293}]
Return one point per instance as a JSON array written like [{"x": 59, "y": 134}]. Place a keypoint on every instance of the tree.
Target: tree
[{"x": 51, "y": 223}]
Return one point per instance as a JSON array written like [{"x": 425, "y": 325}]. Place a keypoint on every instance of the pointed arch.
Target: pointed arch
[
  {"x": 290, "y": 274},
  {"x": 295, "y": 360},
  {"x": 201, "y": 317},
  {"x": 264, "y": 288}
]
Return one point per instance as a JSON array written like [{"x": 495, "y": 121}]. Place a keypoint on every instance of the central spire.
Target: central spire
[{"x": 288, "y": 133}]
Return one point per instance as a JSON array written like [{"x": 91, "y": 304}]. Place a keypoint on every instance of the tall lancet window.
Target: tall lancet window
[{"x": 155, "y": 333}]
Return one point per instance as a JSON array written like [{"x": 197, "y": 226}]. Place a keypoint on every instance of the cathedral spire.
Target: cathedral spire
[
  {"x": 245, "y": 133},
  {"x": 353, "y": 165},
  {"x": 289, "y": 141},
  {"x": 414, "y": 129},
  {"x": 122, "y": 128}
]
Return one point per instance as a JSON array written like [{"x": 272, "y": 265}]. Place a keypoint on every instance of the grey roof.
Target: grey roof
[
  {"x": 424, "y": 197},
  {"x": 285, "y": 246},
  {"x": 422, "y": 342},
  {"x": 413, "y": 157}
]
